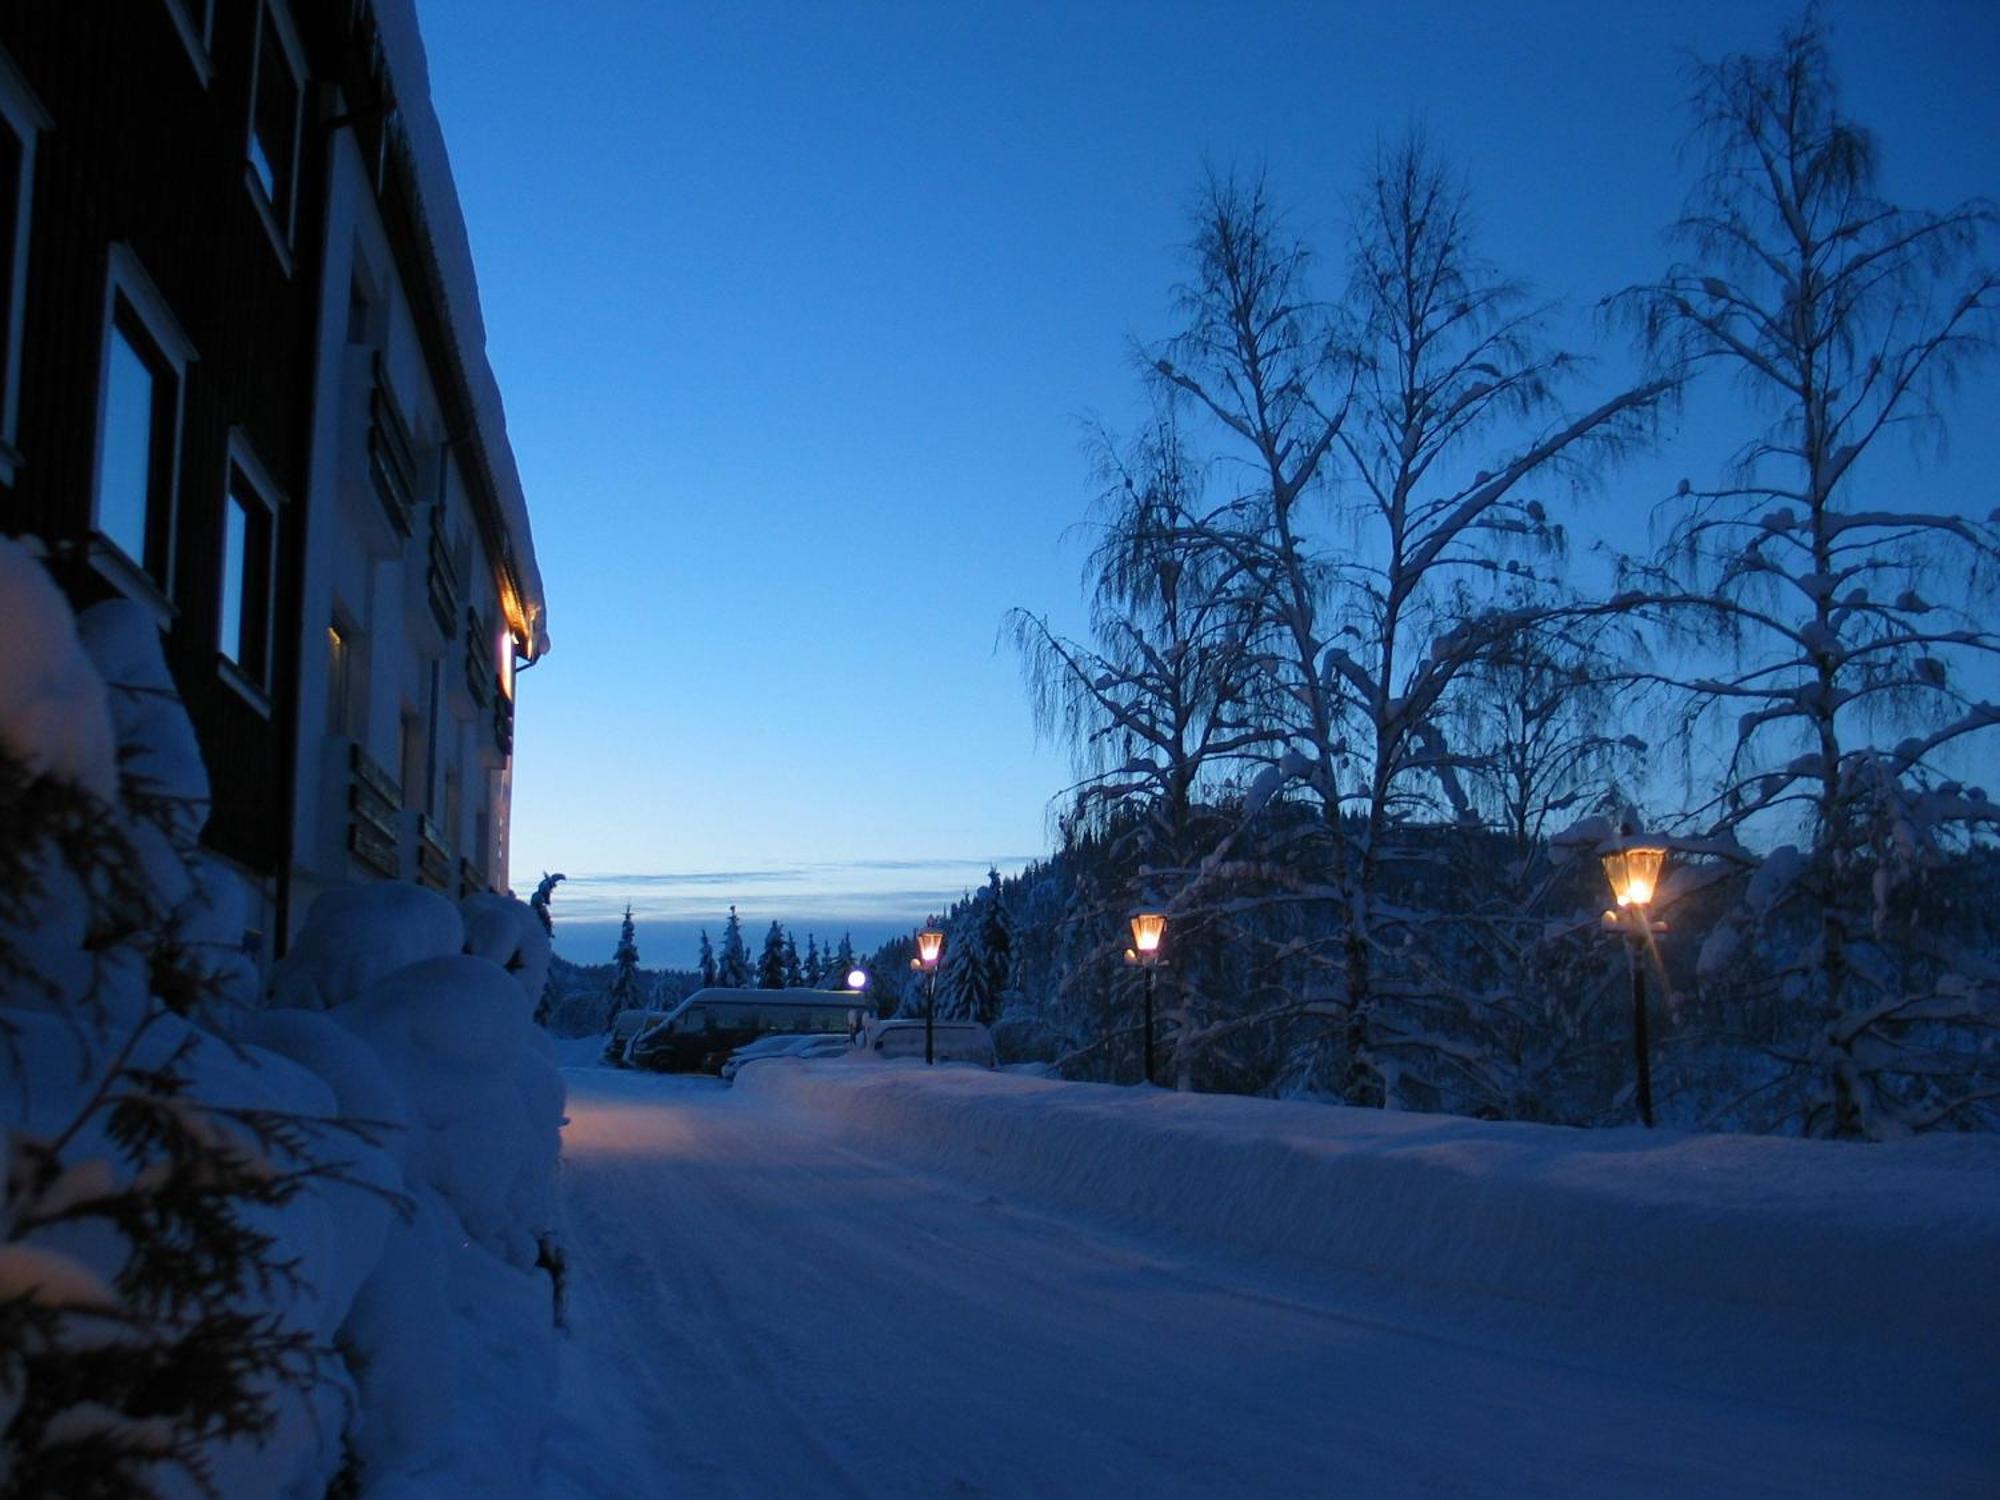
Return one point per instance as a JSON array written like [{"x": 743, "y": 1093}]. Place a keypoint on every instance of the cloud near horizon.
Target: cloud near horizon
[{"x": 869, "y": 892}]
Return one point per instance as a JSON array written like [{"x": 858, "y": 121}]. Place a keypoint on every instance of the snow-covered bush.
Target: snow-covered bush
[{"x": 247, "y": 1251}]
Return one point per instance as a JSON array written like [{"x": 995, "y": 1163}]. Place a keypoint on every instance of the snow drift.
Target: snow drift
[
  {"x": 421, "y": 1260},
  {"x": 1789, "y": 1235}
]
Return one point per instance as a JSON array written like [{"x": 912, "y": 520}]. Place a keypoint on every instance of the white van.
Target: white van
[
  {"x": 953, "y": 1041},
  {"x": 624, "y": 1026}
]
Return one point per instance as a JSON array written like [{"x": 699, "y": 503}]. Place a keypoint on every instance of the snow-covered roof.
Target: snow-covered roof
[
  {"x": 795, "y": 996},
  {"x": 442, "y": 220}
]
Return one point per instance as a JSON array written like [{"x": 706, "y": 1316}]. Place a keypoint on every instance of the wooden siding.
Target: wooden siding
[{"x": 144, "y": 152}]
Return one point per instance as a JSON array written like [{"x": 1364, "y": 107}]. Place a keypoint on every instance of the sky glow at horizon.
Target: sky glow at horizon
[{"x": 796, "y": 309}]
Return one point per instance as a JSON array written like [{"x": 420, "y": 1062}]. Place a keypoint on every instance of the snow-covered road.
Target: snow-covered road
[{"x": 758, "y": 1312}]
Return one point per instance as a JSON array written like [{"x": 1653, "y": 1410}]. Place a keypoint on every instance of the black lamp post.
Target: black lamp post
[
  {"x": 1148, "y": 928},
  {"x": 1634, "y": 872},
  {"x": 930, "y": 947}
]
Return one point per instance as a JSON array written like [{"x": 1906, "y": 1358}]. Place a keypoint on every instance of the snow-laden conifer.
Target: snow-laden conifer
[{"x": 732, "y": 965}]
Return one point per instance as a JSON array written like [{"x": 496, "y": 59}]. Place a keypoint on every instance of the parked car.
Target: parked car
[
  {"x": 772, "y": 1047},
  {"x": 705, "y": 1028},
  {"x": 953, "y": 1041}
]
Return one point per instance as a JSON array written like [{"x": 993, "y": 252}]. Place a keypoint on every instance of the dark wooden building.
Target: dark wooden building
[{"x": 172, "y": 394}]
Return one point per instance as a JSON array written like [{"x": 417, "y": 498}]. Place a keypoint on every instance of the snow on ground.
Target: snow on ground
[
  {"x": 416, "y": 1261},
  {"x": 857, "y": 1279}
]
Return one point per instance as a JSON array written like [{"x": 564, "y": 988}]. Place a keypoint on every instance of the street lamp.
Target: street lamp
[
  {"x": 1633, "y": 869},
  {"x": 1148, "y": 928},
  {"x": 930, "y": 947},
  {"x": 857, "y": 979}
]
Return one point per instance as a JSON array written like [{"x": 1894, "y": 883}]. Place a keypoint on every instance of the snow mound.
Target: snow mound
[
  {"x": 53, "y": 713},
  {"x": 504, "y": 930},
  {"x": 424, "y": 1104},
  {"x": 1903, "y": 1235},
  {"x": 357, "y": 934}
]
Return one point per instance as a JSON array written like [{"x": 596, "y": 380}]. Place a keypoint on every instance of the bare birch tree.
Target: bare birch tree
[{"x": 1855, "y": 617}]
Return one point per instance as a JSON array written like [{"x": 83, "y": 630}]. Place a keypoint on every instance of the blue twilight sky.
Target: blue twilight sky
[{"x": 796, "y": 308}]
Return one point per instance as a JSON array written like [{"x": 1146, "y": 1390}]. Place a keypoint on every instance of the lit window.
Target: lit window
[
  {"x": 21, "y": 120},
  {"x": 276, "y": 92},
  {"x": 243, "y": 624}
]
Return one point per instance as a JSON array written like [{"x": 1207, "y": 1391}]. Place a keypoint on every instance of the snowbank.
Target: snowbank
[
  {"x": 398, "y": 1041},
  {"x": 1899, "y": 1237}
]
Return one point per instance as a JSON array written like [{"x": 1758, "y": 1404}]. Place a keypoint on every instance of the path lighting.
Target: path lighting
[
  {"x": 1633, "y": 869},
  {"x": 857, "y": 979},
  {"x": 930, "y": 948},
  {"x": 1149, "y": 928}
]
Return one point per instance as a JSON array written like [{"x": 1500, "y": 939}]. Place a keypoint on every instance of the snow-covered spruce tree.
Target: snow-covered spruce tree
[
  {"x": 813, "y": 970},
  {"x": 110, "y": 1384},
  {"x": 978, "y": 961},
  {"x": 150, "y": 1303},
  {"x": 794, "y": 970},
  {"x": 732, "y": 965},
  {"x": 771, "y": 961},
  {"x": 539, "y": 905},
  {"x": 1858, "y": 621},
  {"x": 705, "y": 965},
  {"x": 625, "y": 992}
]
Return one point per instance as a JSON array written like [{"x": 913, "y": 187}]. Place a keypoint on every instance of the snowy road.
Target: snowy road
[{"x": 756, "y": 1312}]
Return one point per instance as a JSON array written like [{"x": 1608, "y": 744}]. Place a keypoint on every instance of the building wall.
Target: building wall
[
  {"x": 147, "y": 149},
  {"x": 371, "y": 580},
  {"x": 145, "y": 162}
]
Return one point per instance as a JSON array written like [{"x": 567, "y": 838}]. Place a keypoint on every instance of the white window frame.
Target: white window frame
[
  {"x": 22, "y": 114},
  {"x": 244, "y": 464},
  {"x": 126, "y": 281},
  {"x": 280, "y": 220},
  {"x": 197, "y": 36}
]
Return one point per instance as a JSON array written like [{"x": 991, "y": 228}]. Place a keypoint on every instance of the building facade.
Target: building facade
[{"x": 244, "y": 382}]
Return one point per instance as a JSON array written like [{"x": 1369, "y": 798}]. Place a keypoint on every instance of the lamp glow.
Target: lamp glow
[
  {"x": 930, "y": 944},
  {"x": 1633, "y": 869},
  {"x": 857, "y": 979},
  {"x": 1634, "y": 873},
  {"x": 1148, "y": 928}
]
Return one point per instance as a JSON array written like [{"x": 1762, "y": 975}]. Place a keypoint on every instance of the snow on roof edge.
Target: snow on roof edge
[{"x": 442, "y": 218}]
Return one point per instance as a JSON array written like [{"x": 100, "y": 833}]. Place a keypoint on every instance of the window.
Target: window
[
  {"x": 138, "y": 433},
  {"x": 276, "y": 94},
  {"x": 249, "y": 528},
  {"x": 21, "y": 120}
]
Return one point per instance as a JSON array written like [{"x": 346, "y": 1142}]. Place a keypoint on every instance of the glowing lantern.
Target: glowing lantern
[
  {"x": 1634, "y": 873},
  {"x": 1148, "y": 927},
  {"x": 930, "y": 944},
  {"x": 857, "y": 979}
]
